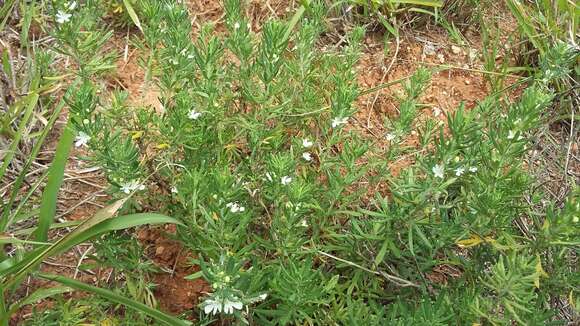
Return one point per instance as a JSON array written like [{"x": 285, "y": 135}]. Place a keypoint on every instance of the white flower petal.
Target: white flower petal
[
  {"x": 194, "y": 115},
  {"x": 62, "y": 17},
  {"x": 438, "y": 171},
  {"x": 82, "y": 139},
  {"x": 285, "y": 180},
  {"x": 339, "y": 121},
  {"x": 306, "y": 143}
]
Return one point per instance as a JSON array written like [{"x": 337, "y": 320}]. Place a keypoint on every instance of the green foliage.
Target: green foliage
[{"x": 255, "y": 152}]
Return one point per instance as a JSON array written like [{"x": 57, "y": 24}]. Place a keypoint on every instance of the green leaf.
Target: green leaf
[
  {"x": 5, "y": 240},
  {"x": 97, "y": 225},
  {"x": 295, "y": 19},
  {"x": 38, "y": 295},
  {"x": 194, "y": 276},
  {"x": 52, "y": 226},
  {"x": 9, "y": 213},
  {"x": 55, "y": 178},
  {"x": 332, "y": 283},
  {"x": 382, "y": 252},
  {"x": 426, "y": 3},
  {"x": 132, "y": 14},
  {"x": 26, "y": 20},
  {"x": 114, "y": 297},
  {"x": 35, "y": 257}
]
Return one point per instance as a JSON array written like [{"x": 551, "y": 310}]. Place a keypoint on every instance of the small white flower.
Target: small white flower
[
  {"x": 174, "y": 190},
  {"x": 473, "y": 169},
  {"x": 339, "y": 121},
  {"x": 390, "y": 136},
  {"x": 194, "y": 115},
  {"x": 511, "y": 135},
  {"x": 212, "y": 306},
  {"x": 304, "y": 223},
  {"x": 235, "y": 207},
  {"x": 436, "y": 111},
  {"x": 132, "y": 185},
  {"x": 438, "y": 171},
  {"x": 285, "y": 180},
  {"x": 307, "y": 143},
  {"x": 82, "y": 139},
  {"x": 229, "y": 306},
  {"x": 237, "y": 25},
  {"x": 62, "y": 17},
  {"x": 459, "y": 171},
  {"x": 307, "y": 156},
  {"x": 72, "y": 5}
]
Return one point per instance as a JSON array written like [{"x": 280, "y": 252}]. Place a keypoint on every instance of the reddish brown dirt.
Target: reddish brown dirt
[
  {"x": 446, "y": 91},
  {"x": 174, "y": 293},
  {"x": 131, "y": 77}
]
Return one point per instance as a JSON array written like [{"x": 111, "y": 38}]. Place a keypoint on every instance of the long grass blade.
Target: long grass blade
[
  {"x": 81, "y": 234},
  {"x": 55, "y": 178},
  {"x": 114, "y": 297},
  {"x": 8, "y": 214},
  {"x": 36, "y": 296},
  {"x": 132, "y": 14}
]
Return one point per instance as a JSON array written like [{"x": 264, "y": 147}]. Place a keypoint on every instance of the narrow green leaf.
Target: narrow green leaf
[
  {"x": 5, "y": 240},
  {"x": 194, "y": 276},
  {"x": 82, "y": 233},
  {"x": 35, "y": 257},
  {"x": 52, "y": 226},
  {"x": 55, "y": 178},
  {"x": 5, "y": 12},
  {"x": 382, "y": 252},
  {"x": 28, "y": 10},
  {"x": 38, "y": 295},
  {"x": 114, "y": 297},
  {"x": 297, "y": 16},
  {"x": 426, "y": 3},
  {"x": 6, "y": 64},
  {"x": 8, "y": 213},
  {"x": 132, "y": 14}
]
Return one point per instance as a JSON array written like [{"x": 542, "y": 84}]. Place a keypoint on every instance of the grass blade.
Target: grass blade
[
  {"x": 132, "y": 14},
  {"x": 55, "y": 178},
  {"x": 36, "y": 296},
  {"x": 8, "y": 214},
  {"x": 97, "y": 225},
  {"x": 114, "y": 297},
  {"x": 295, "y": 19}
]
